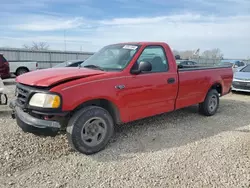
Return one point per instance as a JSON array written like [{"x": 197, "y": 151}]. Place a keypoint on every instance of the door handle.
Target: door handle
[
  {"x": 120, "y": 86},
  {"x": 171, "y": 80}
]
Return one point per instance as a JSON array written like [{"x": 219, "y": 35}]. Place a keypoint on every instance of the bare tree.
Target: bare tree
[
  {"x": 186, "y": 54},
  {"x": 208, "y": 54},
  {"x": 37, "y": 46},
  {"x": 213, "y": 54},
  {"x": 175, "y": 52}
]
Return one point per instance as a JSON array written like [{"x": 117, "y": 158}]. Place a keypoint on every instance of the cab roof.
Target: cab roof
[{"x": 144, "y": 43}]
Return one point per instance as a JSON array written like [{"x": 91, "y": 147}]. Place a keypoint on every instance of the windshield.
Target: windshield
[
  {"x": 245, "y": 69},
  {"x": 113, "y": 57}
]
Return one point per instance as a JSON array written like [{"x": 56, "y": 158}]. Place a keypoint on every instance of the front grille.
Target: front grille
[
  {"x": 241, "y": 85},
  {"x": 22, "y": 94}
]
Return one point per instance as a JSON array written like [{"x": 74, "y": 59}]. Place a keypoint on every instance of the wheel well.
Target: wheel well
[
  {"x": 217, "y": 87},
  {"x": 19, "y": 68},
  {"x": 106, "y": 104}
]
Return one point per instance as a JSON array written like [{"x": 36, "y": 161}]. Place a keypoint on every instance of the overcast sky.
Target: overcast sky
[{"x": 91, "y": 24}]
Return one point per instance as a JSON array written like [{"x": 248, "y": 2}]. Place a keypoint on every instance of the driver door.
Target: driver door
[{"x": 153, "y": 92}]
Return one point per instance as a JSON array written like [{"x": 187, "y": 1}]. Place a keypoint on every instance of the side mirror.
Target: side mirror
[
  {"x": 143, "y": 66},
  {"x": 236, "y": 66}
]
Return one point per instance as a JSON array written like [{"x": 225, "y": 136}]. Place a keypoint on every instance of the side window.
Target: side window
[
  {"x": 74, "y": 65},
  {"x": 156, "y": 56}
]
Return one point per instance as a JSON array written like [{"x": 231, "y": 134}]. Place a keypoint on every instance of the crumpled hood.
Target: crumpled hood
[{"x": 48, "y": 77}]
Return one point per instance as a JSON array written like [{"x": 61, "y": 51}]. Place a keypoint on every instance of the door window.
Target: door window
[{"x": 156, "y": 56}]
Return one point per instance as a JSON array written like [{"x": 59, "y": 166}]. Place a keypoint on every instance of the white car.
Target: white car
[
  {"x": 20, "y": 67},
  {"x": 241, "y": 79}
]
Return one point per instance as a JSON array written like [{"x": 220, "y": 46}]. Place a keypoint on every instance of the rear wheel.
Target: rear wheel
[
  {"x": 90, "y": 129},
  {"x": 211, "y": 103}
]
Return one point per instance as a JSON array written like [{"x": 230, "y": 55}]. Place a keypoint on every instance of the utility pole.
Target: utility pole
[{"x": 64, "y": 40}]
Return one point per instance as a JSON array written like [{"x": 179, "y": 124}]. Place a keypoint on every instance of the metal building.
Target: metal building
[{"x": 45, "y": 59}]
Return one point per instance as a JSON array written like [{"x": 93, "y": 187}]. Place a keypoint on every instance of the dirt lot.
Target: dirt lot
[{"x": 178, "y": 149}]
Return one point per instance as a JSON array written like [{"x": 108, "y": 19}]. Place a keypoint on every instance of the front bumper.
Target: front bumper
[
  {"x": 239, "y": 85},
  {"x": 242, "y": 90},
  {"x": 27, "y": 119}
]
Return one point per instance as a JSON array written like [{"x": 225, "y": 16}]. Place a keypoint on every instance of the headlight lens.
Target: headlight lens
[{"x": 44, "y": 100}]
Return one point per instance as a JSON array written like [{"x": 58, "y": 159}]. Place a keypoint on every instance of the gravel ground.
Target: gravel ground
[{"x": 178, "y": 149}]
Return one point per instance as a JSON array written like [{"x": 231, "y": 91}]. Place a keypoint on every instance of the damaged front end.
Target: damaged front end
[{"x": 37, "y": 119}]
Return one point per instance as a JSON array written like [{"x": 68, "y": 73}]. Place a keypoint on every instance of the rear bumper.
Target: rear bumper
[{"x": 27, "y": 119}]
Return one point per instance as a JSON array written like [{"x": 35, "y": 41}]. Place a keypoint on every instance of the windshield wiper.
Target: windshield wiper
[{"x": 93, "y": 67}]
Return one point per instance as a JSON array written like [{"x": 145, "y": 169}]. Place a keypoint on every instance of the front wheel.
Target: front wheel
[
  {"x": 90, "y": 129},
  {"x": 211, "y": 103}
]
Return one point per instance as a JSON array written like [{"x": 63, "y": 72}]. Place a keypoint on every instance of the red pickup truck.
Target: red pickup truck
[{"x": 118, "y": 84}]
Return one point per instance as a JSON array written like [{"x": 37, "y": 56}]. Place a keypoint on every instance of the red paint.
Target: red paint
[
  {"x": 144, "y": 94},
  {"x": 47, "y": 77}
]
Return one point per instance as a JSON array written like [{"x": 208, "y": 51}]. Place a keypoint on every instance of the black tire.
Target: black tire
[
  {"x": 21, "y": 71},
  {"x": 80, "y": 127},
  {"x": 36, "y": 131},
  {"x": 205, "y": 108}
]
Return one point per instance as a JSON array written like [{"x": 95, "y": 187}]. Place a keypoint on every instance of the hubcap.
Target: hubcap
[
  {"x": 213, "y": 103},
  {"x": 93, "y": 131}
]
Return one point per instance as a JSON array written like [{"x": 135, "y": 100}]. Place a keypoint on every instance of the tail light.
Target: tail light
[{"x": 6, "y": 63}]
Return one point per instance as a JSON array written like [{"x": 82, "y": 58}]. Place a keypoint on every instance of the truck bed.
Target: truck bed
[{"x": 192, "y": 88}]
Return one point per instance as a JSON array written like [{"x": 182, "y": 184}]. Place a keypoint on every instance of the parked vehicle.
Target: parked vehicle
[
  {"x": 186, "y": 62},
  {"x": 71, "y": 63},
  {"x": 118, "y": 84},
  {"x": 239, "y": 64},
  {"x": 4, "y": 67},
  {"x": 21, "y": 67},
  {"x": 241, "y": 80},
  {"x": 235, "y": 64}
]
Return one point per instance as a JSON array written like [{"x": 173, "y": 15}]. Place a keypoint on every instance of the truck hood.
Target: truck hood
[{"x": 49, "y": 77}]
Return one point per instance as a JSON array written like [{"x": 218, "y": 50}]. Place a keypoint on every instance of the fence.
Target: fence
[
  {"x": 208, "y": 61},
  {"x": 45, "y": 59}
]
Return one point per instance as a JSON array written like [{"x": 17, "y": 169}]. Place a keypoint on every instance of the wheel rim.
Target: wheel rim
[
  {"x": 213, "y": 103},
  {"x": 93, "y": 131}
]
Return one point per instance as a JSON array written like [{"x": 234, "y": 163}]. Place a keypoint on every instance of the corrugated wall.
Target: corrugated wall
[{"x": 45, "y": 59}]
